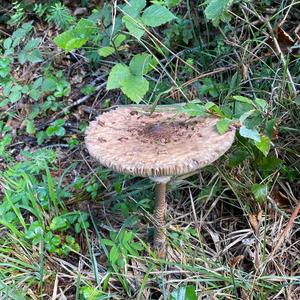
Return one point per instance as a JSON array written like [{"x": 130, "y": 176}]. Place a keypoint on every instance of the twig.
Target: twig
[
  {"x": 287, "y": 229},
  {"x": 206, "y": 74},
  {"x": 67, "y": 108}
]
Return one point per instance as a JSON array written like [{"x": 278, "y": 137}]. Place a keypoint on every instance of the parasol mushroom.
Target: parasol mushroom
[{"x": 165, "y": 143}]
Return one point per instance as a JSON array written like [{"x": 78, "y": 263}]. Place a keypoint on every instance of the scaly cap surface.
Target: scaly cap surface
[{"x": 130, "y": 140}]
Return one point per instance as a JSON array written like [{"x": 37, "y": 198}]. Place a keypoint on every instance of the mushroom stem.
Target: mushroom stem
[{"x": 159, "y": 241}]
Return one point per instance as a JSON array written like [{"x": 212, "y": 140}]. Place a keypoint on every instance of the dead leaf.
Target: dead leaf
[{"x": 236, "y": 260}]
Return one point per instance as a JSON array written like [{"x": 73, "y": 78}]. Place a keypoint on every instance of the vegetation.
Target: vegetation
[{"x": 70, "y": 229}]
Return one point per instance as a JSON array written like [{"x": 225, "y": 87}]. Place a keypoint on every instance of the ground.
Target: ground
[{"x": 72, "y": 229}]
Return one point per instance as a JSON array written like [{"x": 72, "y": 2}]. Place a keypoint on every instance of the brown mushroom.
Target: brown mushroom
[{"x": 131, "y": 140}]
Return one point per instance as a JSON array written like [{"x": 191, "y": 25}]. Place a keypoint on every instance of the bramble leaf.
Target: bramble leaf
[
  {"x": 216, "y": 8},
  {"x": 252, "y": 134},
  {"x": 118, "y": 74},
  {"x": 140, "y": 64},
  {"x": 260, "y": 191},
  {"x": 134, "y": 7},
  {"x": 133, "y": 26},
  {"x": 264, "y": 144},
  {"x": 157, "y": 15},
  {"x": 135, "y": 88}
]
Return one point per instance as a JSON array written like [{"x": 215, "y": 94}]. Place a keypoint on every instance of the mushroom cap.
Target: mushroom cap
[{"x": 167, "y": 142}]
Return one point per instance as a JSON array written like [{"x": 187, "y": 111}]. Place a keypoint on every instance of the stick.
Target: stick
[{"x": 287, "y": 229}]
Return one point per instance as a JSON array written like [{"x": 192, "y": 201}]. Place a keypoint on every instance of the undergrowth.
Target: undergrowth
[{"x": 70, "y": 229}]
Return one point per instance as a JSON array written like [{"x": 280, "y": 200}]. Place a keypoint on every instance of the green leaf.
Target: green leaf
[
  {"x": 250, "y": 133},
  {"x": 212, "y": 107},
  {"x": 35, "y": 56},
  {"x": 237, "y": 157},
  {"x": 106, "y": 51},
  {"x": 32, "y": 44},
  {"x": 133, "y": 26},
  {"x": 62, "y": 39},
  {"x": 264, "y": 144},
  {"x": 135, "y": 88},
  {"x": 261, "y": 103},
  {"x": 49, "y": 85},
  {"x": 56, "y": 128},
  {"x": 216, "y": 8},
  {"x": 119, "y": 39},
  {"x": 243, "y": 99},
  {"x": 157, "y": 15},
  {"x": 184, "y": 293},
  {"x": 140, "y": 64},
  {"x": 246, "y": 115},
  {"x": 297, "y": 100},
  {"x": 223, "y": 125},
  {"x": 7, "y": 43},
  {"x": 85, "y": 28},
  {"x": 270, "y": 127},
  {"x": 4, "y": 66},
  {"x": 134, "y": 7},
  {"x": 114, "y": 254},
  {"x": 15, "y": 96},
  {"x": 4, "y": 102},
  {"x": 75, "y": 43},
  {"x": 34, "y": 94},
  {"x": 59, "y": 223},
  {"x": 30, "y": 128},
  {"x": 194, "y": 109},
  {"x": 118, "y": 74},
  {"x": 22, "y": 57},
  {"x": 260, "y": 192}
]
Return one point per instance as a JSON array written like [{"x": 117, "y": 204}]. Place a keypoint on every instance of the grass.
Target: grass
[{"x": 70, "y": 229}]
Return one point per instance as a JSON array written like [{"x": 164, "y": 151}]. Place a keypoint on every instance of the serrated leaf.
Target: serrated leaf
[
  {"x": 140, "y": 64},
  {"x": 264, "y": 144},
  {"x": 32, "y": 44},
  {"x": 106, "y": 51},
  {"x": 35, "y": 56},
  {"x": 216, "y": 8},
  {"x": 252, "y": 134},
  {"x": 118, "y": 74},
  {"x": 157, "y": 15},
  {"x": 34, "y": 94},
  {"x": 223, "y": 125},
  {"x": 135, "y": 88},
  {"x": 133, "y": 27},
  {"x": 260, "y": 191},
  {"x": 134, "y": 7}
]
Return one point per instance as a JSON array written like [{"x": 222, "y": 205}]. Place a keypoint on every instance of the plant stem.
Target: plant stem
[{"x": 159, "y": 240}]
